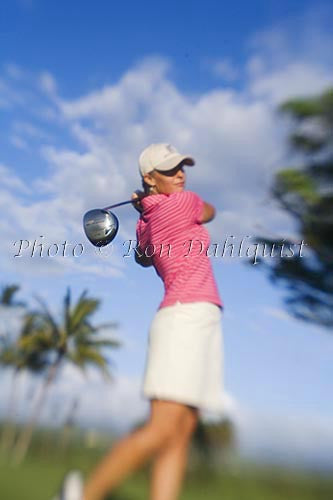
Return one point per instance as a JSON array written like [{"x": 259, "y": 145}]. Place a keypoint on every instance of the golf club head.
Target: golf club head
[{"x": 100, "y": 226}]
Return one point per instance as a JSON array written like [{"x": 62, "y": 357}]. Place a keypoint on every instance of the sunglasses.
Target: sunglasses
[{"x": 172, "y": 172}]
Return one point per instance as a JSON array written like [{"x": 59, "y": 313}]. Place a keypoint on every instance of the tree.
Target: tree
[
  {"x": 306, "y": 193},
  {"x": 213, "y": 440},
  {"x": 11, "y": 356},
  {"x": 73, "y": 339},
  {"x": 7, "y": 297},
  {"x": 69, "y": 424}
]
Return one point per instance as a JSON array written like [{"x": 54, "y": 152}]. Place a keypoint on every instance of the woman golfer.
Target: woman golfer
[{"x": 184, "y": 365}]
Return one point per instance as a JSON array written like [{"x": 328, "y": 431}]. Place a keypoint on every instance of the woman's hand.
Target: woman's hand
[{"x": 137, "y": 197}]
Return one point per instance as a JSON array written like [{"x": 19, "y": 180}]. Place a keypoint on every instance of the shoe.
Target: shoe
[{"x": 72, "y": 486}]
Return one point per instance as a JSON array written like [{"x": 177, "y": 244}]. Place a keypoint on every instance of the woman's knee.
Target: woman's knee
[
  {"x": 161, "y": 435},
  {"x": 189, "y": 424},
  {"x": 172, "y": 421}
]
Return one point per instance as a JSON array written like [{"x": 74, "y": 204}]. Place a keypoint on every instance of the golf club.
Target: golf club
[{"x": 101, "y": 225}]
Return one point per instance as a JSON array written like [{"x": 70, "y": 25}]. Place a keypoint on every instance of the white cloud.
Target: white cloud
[
  {"x": 293, "y": 57},
  {"x": 10, "y": 181},
  {"x": 14, "y": 71},
  {"x": 295, "y": 439},
  {"x": 294, "y": 79},
  {"x": 29, "y": 130},
  {"x": 11, "y": 322},
  {"x": 121, "y": 100},
  {"x": 277, "y": 313},
  {"x": 116, "y": 404},
  {"x": 225, "y": 69},
  {"x": 234, "y": 135},
  {"x": 9, "y": 97},
  {"x": 301, "y": 440},
  {"x": 48, "y": 83},
  {"x": 91, "y": 160},
  {"x": 18, "y": 142}
]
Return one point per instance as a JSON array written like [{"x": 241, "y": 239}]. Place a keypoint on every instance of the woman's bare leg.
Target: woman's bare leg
[
  {"x": 170, "y": 462},
  {"x": 134, "y": 450}
]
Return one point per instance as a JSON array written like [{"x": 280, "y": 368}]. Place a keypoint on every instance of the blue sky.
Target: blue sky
[
  {"x": 91, "y": 44},
  {"x": 83, "y": 88}
]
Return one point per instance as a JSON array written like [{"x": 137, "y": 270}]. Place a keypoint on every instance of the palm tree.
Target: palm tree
[
  {"x": 68, "y": 426},
  {"x": 10, "y": 356},
  {"x": 74, "y": 339},
  {"x": 214, "y": 440},
  {"x": 8, "y": 293}
]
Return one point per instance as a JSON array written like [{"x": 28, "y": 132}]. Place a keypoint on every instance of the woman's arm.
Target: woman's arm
[
  {"x": 137, "y": 197},
  {"x": 143, "y": 260},
  {"x": 208, "y": 213},
  {"x": 140, "y": 257}
]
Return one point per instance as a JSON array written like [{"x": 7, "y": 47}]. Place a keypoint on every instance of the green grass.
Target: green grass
[{"x": 39, "y": 477}]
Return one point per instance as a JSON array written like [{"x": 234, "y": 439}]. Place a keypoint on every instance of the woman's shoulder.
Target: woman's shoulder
[
  {"x": 185, "y": 197},
  {"x": 183, "y": 194}
]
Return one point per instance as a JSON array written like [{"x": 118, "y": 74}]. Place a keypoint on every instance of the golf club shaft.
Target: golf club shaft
[{"x": 118, "y": 204}]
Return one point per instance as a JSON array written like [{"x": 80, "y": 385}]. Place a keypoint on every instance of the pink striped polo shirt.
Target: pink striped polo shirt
[{"x": 169, "y": 230}]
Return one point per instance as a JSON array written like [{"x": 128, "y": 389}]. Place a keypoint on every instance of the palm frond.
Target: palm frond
[
  {"x": 38, "y": 341},
  {"x": 32, "y": 320},
  {"x": 81, "y": 312},
  {"x": 67, "y": 310},
  {"x": 112, "y": 325},
  {"x": 49, "y": 318},
  {"x": 8, "y": 357},
  {"x": 85, "y": 355},
  {"x": 7, "y": 296},
  {"x": 105, "y": 343}
]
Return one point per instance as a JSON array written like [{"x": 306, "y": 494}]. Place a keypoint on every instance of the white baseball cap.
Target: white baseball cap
[{"x": 162, "y": 157}]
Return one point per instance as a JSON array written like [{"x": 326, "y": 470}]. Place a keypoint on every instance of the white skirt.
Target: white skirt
[{"x": 184, "y": 362}]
